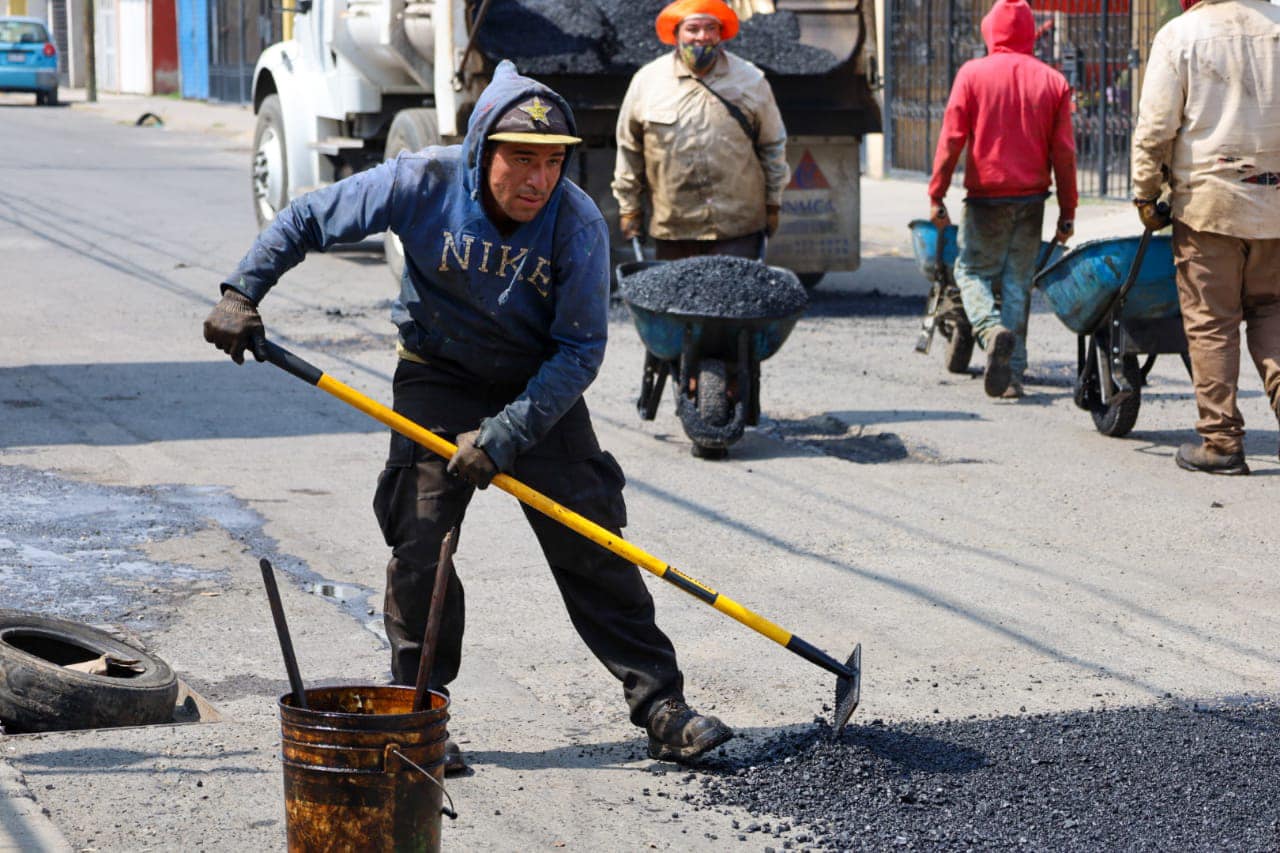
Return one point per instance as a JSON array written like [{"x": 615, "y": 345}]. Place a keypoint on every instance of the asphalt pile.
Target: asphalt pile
[
  {"x": 716, "y": 286},
  {"x": 617, "y": 37},
  {"x": 1128, "y": 779}
]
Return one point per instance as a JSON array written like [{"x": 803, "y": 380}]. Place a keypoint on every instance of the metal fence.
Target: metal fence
[{"x": 1100, "y": 45}]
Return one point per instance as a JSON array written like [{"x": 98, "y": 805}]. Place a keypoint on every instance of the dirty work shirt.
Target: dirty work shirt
[
  {"x": 679, "y": 144},
  {"x": 1012, "y": 113},
  {"x": 529, "y": 308},
  {"x": 1210, "y": 112}
]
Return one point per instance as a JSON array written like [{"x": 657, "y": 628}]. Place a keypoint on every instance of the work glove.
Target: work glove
[
  {"x": 630, "y": 224},
  {"x": 471, "y": 463},
  {"x": 938, "y": 215},
  {"x": 1066, "y": 230},
  {"x": 771, "y": 214},
  {"x": 1153, "y": 214},
  {"x": 233, "y": 325}
]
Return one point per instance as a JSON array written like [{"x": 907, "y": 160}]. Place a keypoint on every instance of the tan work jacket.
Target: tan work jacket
[
  {"x": 1210, "y": 113},
  {"x": 679, "y": 144}
]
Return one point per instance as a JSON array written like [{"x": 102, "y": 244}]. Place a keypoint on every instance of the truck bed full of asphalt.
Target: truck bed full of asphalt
[
  {"x": 618, "y": 36},
  {"x": 1134, "y": 779}
]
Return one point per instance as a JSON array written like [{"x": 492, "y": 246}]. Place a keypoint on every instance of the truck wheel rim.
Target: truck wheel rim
[{"x": 268, "y": 172}]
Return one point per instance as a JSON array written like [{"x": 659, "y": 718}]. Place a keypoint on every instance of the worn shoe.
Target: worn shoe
[
  {"x": 1014, "y": 391},
  {"x": 1197, "y": 457},
  {"x": 999, "y": 351},
  {"x": 679, "y": 733},
  {"x": 454, "y": 763}
]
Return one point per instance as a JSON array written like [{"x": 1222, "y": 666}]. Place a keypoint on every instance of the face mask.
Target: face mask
[{"x": 699, "y": 57}]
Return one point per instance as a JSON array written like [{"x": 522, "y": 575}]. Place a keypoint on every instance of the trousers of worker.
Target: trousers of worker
[
  {"x": 998, "y": 244},
  {"x": 1223, "y": 282}
]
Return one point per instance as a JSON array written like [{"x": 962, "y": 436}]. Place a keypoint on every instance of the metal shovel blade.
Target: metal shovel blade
[{"x": 848, "y": 689}]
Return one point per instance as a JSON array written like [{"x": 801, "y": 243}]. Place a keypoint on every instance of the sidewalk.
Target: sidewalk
[{"x": 234, "y": 121}]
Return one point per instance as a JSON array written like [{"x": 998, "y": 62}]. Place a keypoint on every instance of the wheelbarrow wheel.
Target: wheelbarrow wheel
[
  {"x": 959, "y": 348},
  {"x": 713, "y": 392},
  {"x": 1117, "y": 419}
]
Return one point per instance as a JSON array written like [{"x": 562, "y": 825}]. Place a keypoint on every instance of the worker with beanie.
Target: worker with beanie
[
  {"x": 1209, "y": 127},
  {"x": 700, "y": 137},
  {"x": 1013, "y": 114}
]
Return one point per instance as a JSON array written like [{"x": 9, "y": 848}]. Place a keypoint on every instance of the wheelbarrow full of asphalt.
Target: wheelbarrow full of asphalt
[
  {"x": 713, "y": 361},
  {"x": 936, "y": 255},
  {"x": 1120, "y": 297}
]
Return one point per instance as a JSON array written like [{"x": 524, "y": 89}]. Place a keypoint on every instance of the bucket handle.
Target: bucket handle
[{"x": 448, "y": 811}]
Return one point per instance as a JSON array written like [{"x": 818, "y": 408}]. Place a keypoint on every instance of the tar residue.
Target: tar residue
[
  {"x": 618, "y": 36},
  {"x": 716, "y": 286},
  {"x": 1129, "y": 779}
]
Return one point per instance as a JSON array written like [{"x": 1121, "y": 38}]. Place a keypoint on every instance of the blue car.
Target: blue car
[{"x": 28, "y": 59}]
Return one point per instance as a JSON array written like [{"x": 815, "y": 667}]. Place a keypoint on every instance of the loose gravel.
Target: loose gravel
[
  {"x": 1132, "y": 779},
  {"x": 716, "y": 286},
  {"x": 617, "y": 37}
]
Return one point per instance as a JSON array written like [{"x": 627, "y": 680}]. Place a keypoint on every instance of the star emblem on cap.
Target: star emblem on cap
[{"x": 536, "y": 110}]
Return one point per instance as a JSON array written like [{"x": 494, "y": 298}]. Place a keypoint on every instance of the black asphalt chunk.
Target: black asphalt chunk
[
  {"x": 1133, "y": 779},
  {"x": 618, "y": 36},
  {"x": 716, "y": 286}
]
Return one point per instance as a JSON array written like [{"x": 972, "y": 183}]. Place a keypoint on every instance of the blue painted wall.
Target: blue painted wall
[{"x": 193, "y": 47}]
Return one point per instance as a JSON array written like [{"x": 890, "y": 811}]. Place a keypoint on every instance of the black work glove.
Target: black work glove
[
  {"x": 233, "y": 325},
  {"x": 938, "y": 215},
  {"x": 1065, "y": 231},
  {"x": 1153, "y": 214},
  {"x": 471, "y": 463}
]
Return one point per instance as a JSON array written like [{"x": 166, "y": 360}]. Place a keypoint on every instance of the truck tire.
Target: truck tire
[
  {"x": 270, "y": 174},
  {"x": 411, "y": 130},
  {"x": 38, "y": 694},
  {"x": 810, "y": 280}
]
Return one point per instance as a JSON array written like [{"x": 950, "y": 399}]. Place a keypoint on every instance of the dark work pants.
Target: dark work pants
[
  {"x": 747, "y": 246},
  {"x": 417, "y": 503}
]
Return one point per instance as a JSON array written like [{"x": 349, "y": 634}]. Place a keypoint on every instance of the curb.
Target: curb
[{"x": 24, "y": 825}]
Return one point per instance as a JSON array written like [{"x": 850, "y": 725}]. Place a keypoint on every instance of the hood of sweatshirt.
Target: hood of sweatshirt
[{"x": 1009, "y": 27}]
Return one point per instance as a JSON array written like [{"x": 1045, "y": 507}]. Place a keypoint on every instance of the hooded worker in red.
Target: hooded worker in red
[{"x": 1013, "y": 112}]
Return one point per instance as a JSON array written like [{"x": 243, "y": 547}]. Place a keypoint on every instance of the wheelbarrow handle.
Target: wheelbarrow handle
[
  {"x": 764, "y": 245},
  {"x": 635, "y": 247}
]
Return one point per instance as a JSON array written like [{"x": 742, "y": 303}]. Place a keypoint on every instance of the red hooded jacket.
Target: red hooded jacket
[{"x": 1014, "y": 113}]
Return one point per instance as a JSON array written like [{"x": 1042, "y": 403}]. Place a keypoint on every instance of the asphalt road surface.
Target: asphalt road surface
[{"x": 994, "y": 559}]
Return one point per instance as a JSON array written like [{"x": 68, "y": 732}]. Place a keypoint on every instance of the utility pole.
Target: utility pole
[{"x": 90, "y": 54}]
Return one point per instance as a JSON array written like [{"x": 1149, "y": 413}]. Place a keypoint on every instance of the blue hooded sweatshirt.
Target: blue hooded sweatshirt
[{"x": 530, "y": 308}]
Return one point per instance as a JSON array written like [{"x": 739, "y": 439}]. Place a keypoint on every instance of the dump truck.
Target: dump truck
[{"x": 359, "y": 81}]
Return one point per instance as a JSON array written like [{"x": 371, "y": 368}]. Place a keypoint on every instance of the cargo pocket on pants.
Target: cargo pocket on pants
[{"x": 396, "y": 486}]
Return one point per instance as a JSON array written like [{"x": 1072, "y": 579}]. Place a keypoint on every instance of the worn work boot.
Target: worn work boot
[
  {"x": 999, "y": 351},
  {"x": 454, "y": 763},
  {"x": 1014, "y": 391},
  {"x": 1197, "y": 457},
  {"x": 679, "y": 733}
]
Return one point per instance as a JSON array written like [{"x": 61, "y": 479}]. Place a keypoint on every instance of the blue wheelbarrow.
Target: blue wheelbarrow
[
  {"x": 1120, "y": 297},
  {"x": 943, "y": 309},
  {"x": 713, "y": 362}
]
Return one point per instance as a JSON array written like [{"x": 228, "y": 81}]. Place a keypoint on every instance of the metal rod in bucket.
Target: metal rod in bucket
[
  {"x": 444, "y": 569},
  {"x": 282, "y": 631}
]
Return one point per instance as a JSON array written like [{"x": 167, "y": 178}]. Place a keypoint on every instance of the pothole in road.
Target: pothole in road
[{"x": 827, "y": 434}]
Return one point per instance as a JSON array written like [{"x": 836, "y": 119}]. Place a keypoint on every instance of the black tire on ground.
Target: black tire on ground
[
  {"x": 39, "y": 99},
  {"x": 960, "y": 348},
  {"x": 411, "y": 130},
  {"x": 1117, "y": 419},
  {"x": 702, "y": 451},
  {"x": 38, "y": 694},
  {"x": 269, "y": 178},
  {"x": 810, "y": 280},
  {"x": 51, "y": 98},
  {"x": 713, "y": 392}
]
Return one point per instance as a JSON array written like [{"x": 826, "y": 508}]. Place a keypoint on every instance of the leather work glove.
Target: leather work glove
[
  {"x": 471, "y": 463},
  {"x": 233, "y": 325},
  {"x": 771, "y": 214},
  {"x": 938, "y": 215},
  {"x": 1153, "y": 214},
  {"x": 1066, "y": 230},
  {"x": 630, "y": 224}
]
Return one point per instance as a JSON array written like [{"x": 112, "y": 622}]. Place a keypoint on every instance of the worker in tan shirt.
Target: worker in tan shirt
[
  {"x": 1209, "y": 127},
  {"x": 700, "y": 136}
]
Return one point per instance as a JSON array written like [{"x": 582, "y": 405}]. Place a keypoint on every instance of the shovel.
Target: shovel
[{"x": 848, "y": 674}]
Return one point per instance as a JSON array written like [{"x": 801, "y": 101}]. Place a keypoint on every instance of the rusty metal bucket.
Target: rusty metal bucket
[{"x": 362, "y": 770}]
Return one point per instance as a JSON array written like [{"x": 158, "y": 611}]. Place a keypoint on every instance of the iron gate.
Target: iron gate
[
  {"x": 1100, "y": 45},
  {"x": 239, "y": 30}
]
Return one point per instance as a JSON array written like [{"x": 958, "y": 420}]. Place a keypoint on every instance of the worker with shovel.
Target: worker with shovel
[{"x": 502, "y": 318}]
